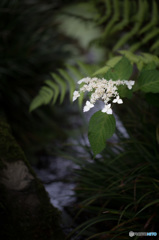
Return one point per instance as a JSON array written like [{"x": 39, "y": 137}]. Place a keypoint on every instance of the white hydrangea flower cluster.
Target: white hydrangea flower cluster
[{"x": 101, "y": 89}]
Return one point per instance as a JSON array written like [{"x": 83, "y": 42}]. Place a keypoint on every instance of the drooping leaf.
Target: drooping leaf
[
  {"x": 149, "y": 66},
  {"x": 124, "y": 92},
  {"x": 148, "y": 58},
  {"x": 122, "y": 70},
  {"x": 141, "y": 60},
  {"x": 101, "y": 127},
  {"x": 86, "y": 69},
  {"x": 148, "y": 81},
  {"x": 109, "y": 64},
  {"x": 130, "y": 56}
]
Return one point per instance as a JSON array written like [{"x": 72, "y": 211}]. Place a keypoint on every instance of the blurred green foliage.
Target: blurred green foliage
[{"x": 121, "y": 24}]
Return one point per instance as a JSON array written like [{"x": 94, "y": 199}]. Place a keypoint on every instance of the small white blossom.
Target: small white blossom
[
  {"x": 118, "y": 100},
  {"x": 130, "y": 84},
  {"x": 87, "y": 106},
  {"x": 85, "y": 80},
  {"x": 107, "y": 109},
  {"x": 103, "y": 89},
  {"x": 75, "y": 95}
]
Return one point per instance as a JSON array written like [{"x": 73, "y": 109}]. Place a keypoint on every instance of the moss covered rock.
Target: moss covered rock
[{"x": 25, "y": 209}]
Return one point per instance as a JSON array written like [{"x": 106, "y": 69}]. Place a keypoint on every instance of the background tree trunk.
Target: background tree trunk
[{"x": 25, "y": 209}]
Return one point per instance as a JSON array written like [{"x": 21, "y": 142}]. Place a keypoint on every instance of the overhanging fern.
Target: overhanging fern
[
  {"x": 62, "y": 82},
  {"x": 133, "y": 23},
  {"x": 122, "y": 24}
]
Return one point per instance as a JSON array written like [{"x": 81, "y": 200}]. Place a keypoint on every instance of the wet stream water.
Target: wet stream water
[{"x": 57, "y": 174}]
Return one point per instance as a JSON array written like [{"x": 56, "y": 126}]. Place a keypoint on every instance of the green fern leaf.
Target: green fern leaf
[
  {"x": 138, "y": 22},
  {"x": 125, "y": 20},
  {"x": 154, "y": 19},
  {"x": 74, "y": 71},
  {"x": 44, "y": 97},
  {"x": 114, "y": 19},
  {"x": 53, "y": 90},
  {"x": 154, "y": 46},
  {"x": 107, "y": 14},
  {"x": 55, "y": 87},
  {"x": 70, "y": 81},
  {"x": 110, "y": 63},
  {"x": 86, "y": 69},
  {"x": 150, "y": 35},
  {"x": 62, "y": 84}
]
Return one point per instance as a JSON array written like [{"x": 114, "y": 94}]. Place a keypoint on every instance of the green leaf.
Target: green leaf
[
  {"x": 86, "y": 69},
  {"x": 101, "y": 127},
  {"x": 149, "y": 66},
  {"x": 130, "y": 56},
  {"x": 148, "y": 81},
  {"x": 122, "y": 70},
  {"x": 110, "y": 64},
  {"x": 150, "y": 58},
  {"x": 124, "y": 92}
]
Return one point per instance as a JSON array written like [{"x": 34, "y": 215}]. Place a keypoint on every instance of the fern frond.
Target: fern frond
[
  {"x": 74, "y": 71},
  {"x": 44, "y": 97},
  {"x": 145, "y": 39},
  {"x": 154, "y": 46},
  {"x": 125, "y": 20},
  {"x": 114, "y": 19},
  {"x": 70, "y": 81},
  {"x": 55, "y": 89},
  {"x": 138, "y": 20},
  {"x": 140, "y": 60},
  {"x": 154, "y": 19},
  {"x": 87, "y": 69},
  {"x": 109, "y": 64},
  {"x": 60, "y": 84},
  {"x": 133, "y": 23},
  {"x": 108, "y": 11}
]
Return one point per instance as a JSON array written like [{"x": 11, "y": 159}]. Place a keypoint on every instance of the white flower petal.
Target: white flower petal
[
  {"x": 81, "y": 81},
  {"x": 104, "y": 110},
  {"x": 132, "y": 82},
  {"x": 103, "y": 89},
  {"x": 87, "y": 106},
  {"x": 129, "y": 86},
  {"x": 86, "y": 109},
  {"x": 109, "y": 111},
  {"x": 120, "y": 101},
  {"x": 115, "y": 100},
  {"x": 75, "y": 95}
]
